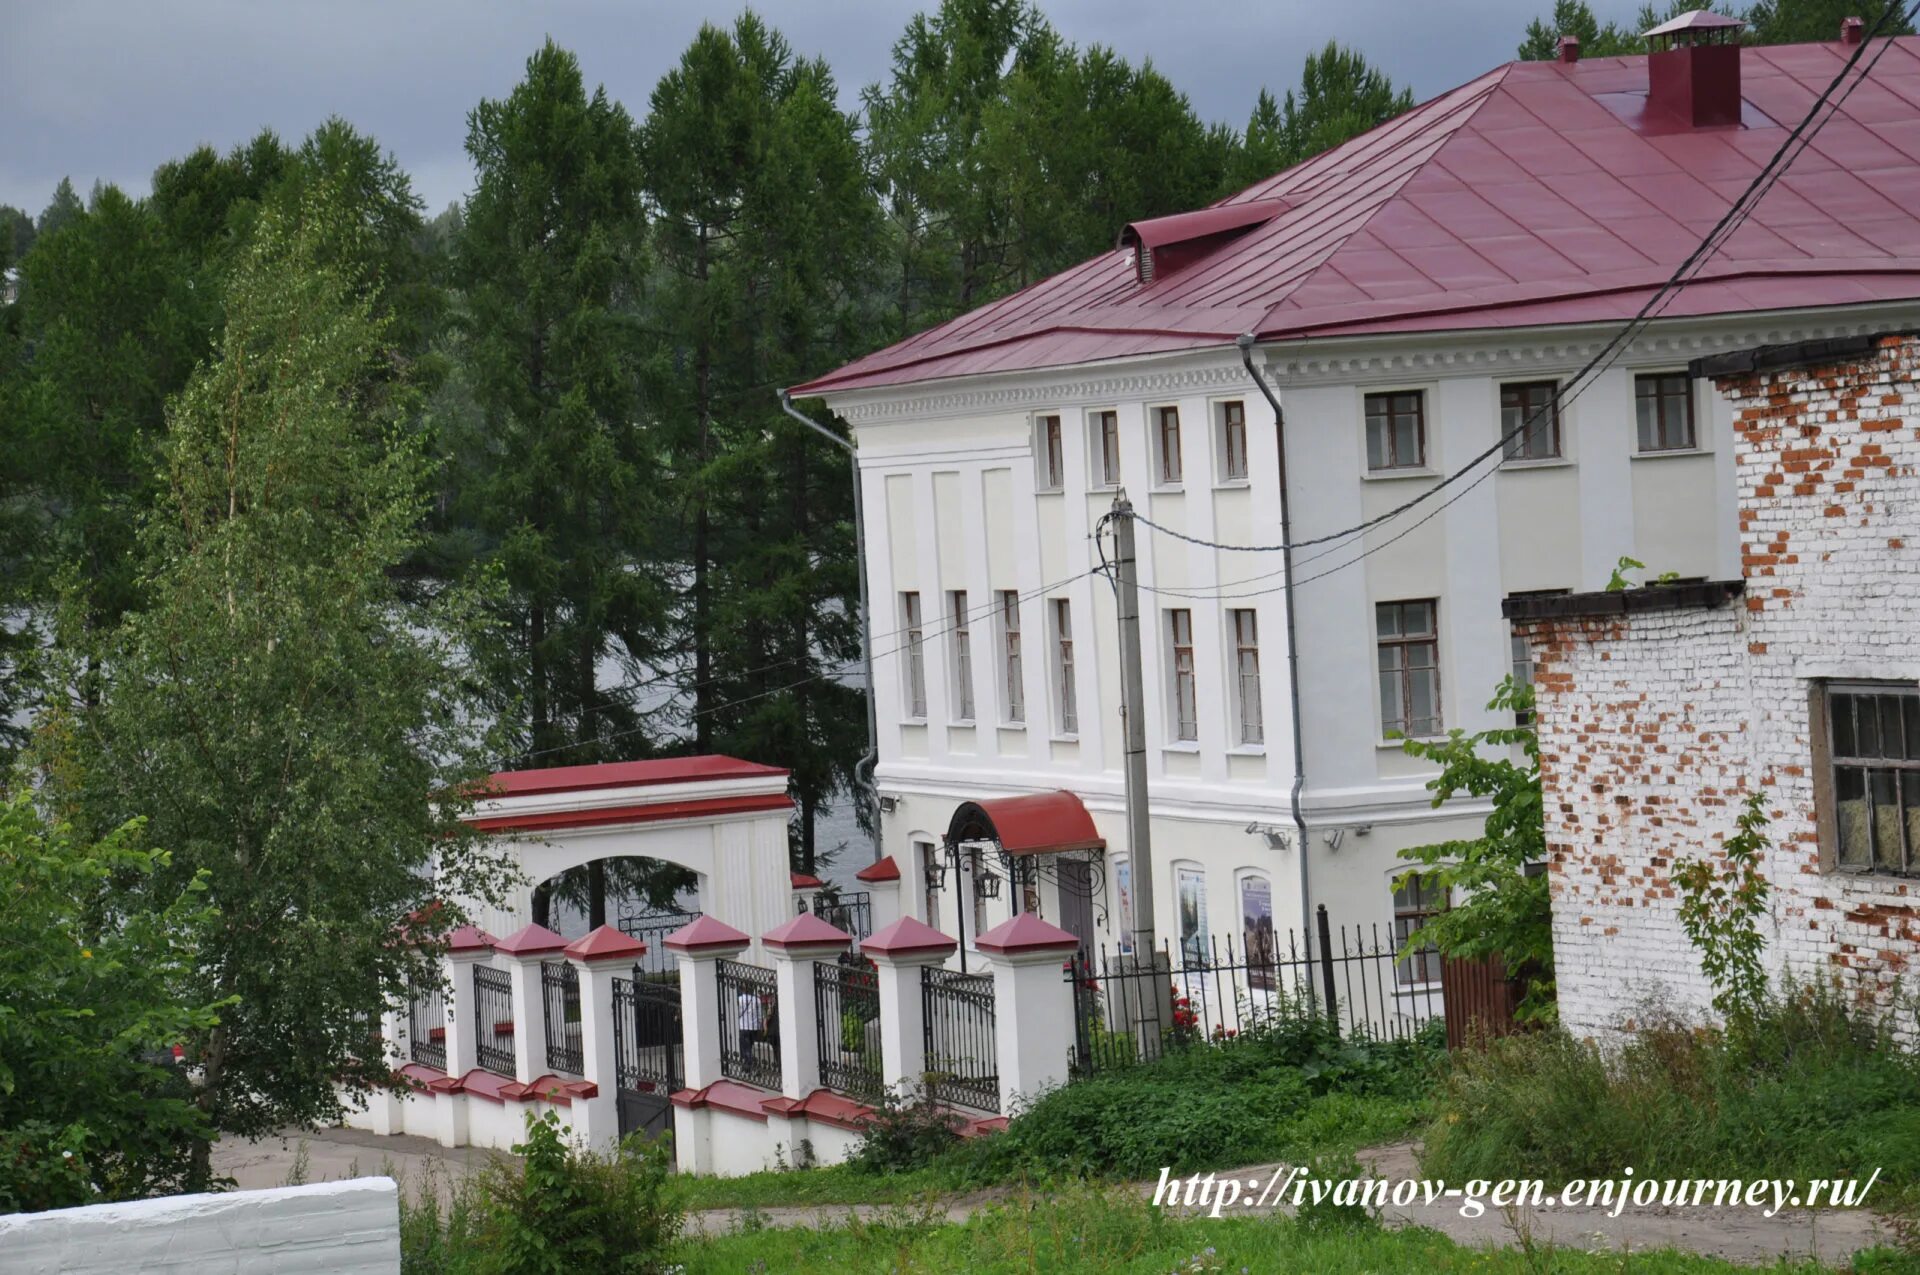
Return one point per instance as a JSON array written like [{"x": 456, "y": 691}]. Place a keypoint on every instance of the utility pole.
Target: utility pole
[{"x": 1133, "y": 698}]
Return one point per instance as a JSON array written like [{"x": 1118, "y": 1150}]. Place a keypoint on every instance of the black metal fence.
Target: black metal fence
[
  {"x": 846, "y": 1004},
  {"x": 749, "y": 1024},
  {"x": 1130, "y": 1009},
  {"x": 493, "y": 1019},
  {"x": 427, "y": 1025},
  {"x": 560, "y": 992},
  {"x": 649, "y": 1060},
  {"x": 963, "y": 1065},
  {"x": 651, "y": 926},
  {"x": 851, "y": 911}
]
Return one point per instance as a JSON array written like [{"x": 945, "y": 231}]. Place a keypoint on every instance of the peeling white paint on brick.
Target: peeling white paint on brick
[{"x": 1655, "y": 725}]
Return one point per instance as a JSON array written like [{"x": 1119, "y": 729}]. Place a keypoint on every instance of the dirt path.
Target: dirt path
[{"x": 1736, "y": 1234}]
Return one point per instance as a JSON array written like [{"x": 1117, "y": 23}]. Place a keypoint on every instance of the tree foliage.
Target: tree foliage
[
  {"x": 1497, "y": 907},
  {"x": 93, "y": 995},
  {"x": 1721, "y": 907},
  {"x": 1768, "y": 22},
  {"x": 285, "y": 719}
]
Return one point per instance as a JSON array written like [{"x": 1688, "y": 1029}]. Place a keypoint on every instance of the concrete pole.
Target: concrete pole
[
  {"x": 1133, "y": 700},
  {"x": 1032, "y": 1006}
]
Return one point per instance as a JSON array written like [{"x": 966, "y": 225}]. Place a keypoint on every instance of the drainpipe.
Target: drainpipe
[
  {"x": 868, "y": 762},
  {"x": 1245, "y": 342}
]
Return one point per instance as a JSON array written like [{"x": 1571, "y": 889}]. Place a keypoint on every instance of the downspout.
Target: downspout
[
  {"x": 868, "y": 762},
  {"x": 1245, "y": 342}
]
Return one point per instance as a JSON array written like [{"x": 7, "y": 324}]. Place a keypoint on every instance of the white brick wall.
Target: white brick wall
[
  {"x": 329, "y": 1228},
  {"x": 1655, "y": 726}
]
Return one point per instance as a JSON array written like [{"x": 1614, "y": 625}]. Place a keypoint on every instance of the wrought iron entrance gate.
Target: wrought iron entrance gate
[{"x": 649, "y": 1063}]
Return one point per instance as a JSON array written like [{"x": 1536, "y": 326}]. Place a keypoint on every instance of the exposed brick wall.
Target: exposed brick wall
[{"x": 1654, "y": 726}]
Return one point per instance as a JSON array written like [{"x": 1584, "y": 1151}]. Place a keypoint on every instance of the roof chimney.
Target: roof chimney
[
  {"x": 1567, "y": 48},
  {"x": 1852, "y": 30},
  {"x": 1693, "y": 69}
]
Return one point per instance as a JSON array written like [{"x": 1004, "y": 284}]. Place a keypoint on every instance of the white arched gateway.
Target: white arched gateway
[{"x": 722, "y": 818}]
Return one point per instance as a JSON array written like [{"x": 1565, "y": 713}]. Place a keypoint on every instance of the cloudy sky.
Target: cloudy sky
[{"x": 106, "y": 91}]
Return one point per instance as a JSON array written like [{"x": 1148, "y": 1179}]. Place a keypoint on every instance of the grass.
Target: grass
[
  {"x": 831, "y": 1184},
  {"x": 1084, "y": 1229}
]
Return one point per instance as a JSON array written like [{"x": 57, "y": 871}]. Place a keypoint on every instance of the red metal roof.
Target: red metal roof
[
  {"x": 1540, "y": 193},
  {"x": 1043, "y": 823},
  {"x": 625, "y": 774}
]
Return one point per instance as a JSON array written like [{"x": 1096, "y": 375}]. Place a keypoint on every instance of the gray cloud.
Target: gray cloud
[{"x": 106, "y": 92}]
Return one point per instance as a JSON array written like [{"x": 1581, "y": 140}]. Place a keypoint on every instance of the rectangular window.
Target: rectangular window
[
  {"x": 1233, "y": 442},
  {"x": 1106, "y": 437},
  {"x": 1409, "y": 649},
  {"x": 1663, "y": 403},
  {"x": 1186, "y": 708},
  {"x": 1522, "y": 653},
  {"x": 916, "y": 687},
  {"x": 1873, "y": 755},
  {"x": 1414, "y": 901},
  {"x": 962, "y": 648},
  {"x": 1246, "y": 671},
  {"x": 1063, "y": 666},
  {"x": 1053, "y": 464},
  {"x": 1397, "y": 430},
  {"x": 1167, "y": 434},
  {"x": 1012, "y": 677},
  {"x": 1530, "y": 420},
  {"x": 929, "y": 883}
]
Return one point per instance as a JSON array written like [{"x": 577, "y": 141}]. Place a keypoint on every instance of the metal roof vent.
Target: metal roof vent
[
  {"x": 1567, "y": 49},
  {"x": 1853, "y": 30},
  {"x": 1165, "y": 245},
  {"x": 1693, "y": 69}
]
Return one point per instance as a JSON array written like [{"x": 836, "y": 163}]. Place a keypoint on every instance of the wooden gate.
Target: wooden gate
[{"x": 1480, "y": 999}]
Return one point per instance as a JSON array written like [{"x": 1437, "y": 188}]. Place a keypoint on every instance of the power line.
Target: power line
[{"x": 1735, "y": 216}]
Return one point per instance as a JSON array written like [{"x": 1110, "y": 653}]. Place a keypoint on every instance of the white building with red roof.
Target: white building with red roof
[{"x": 1412, "y": 295}]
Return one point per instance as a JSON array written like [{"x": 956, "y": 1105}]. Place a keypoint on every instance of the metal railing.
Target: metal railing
[
  {"x": 1347, "y": 980},
  {"x": 651, "y": 926},
  {"x": 427, "y": 1025},
  {"x": 846, "y": 1004},
  {"x": 493, "y": 1019},
  {"x": 749, "y": 1024},
  {"x": 852, "y": 912},
  {"x": 648, "y": 1053},
  {"x": 560, "y": 993},
  {"x": 962, "y": 1065}
]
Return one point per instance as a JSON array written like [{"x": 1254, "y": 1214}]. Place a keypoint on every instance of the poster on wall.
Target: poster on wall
[
  {"x": 1256, "y": 918},
  {"x": 1190, "y": 889},
  {"x": 1123, "y": 887}
]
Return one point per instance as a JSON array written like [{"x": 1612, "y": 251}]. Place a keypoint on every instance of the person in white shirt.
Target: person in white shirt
[{"x": 751, "y": 1019}]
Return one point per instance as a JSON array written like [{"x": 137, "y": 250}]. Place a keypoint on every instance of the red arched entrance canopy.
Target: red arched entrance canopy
[{"x": 1045, "y": 823}]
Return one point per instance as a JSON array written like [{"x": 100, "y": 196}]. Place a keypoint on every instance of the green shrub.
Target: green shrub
[
  {"x": 1817, "y": 1087},
  {"x": 908, "y": 1131}
]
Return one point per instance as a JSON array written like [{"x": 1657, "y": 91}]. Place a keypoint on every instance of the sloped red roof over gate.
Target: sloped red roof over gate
[
  {"x": 1043, "y": 823},
  {"x": 1539, "y": 193}
]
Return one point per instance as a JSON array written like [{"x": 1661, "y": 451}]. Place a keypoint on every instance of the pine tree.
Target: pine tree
[
  {"x": 765, "y": 232},
  {"x": 555, "y": 471},
  {"x": 282, "y": 716},
  {"x": 1341, "y": 96}
]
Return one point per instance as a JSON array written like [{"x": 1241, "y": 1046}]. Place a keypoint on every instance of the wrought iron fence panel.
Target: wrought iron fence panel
[
  {"x": 651, "y": 926},
  {"x": 1343, "y": 980},
  {"x": 427, "y": 1025},
  {"x": 493, "y": 1019},
  {"x": 749, "y": 1024},
  {"x": 852, "y": 912},
  {"x": 846, "y": 1002},
  {"x": 560, "y": 992},
  {"x": 962, "y": 1062}
]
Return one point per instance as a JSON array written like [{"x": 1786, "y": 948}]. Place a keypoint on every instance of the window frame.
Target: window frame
[
  {"x": 1224, "y": 412},
  {"x": 1013, "y": 690},
  {"x": 1066, "y": 707},
  {"x": 1421, "y": 463},
  {"x": 1554, "y": 422},
  {"x": 1691, "y": 399},
  {"x": 1250, "y": 726},
  {"x": 1183, "y": 678},
  {"x": 1169, "y": 466},
  {"x": 913, "y": 624},
  {"x": 1417, "y": 907},
  {"x": 1050, "y": 454},
  {"x": 960, "y": 659},
  {"x": 1827, "y": 763},
  {"x": 1102, "y": 425},
  {"x": 1403, "y": 642}
]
